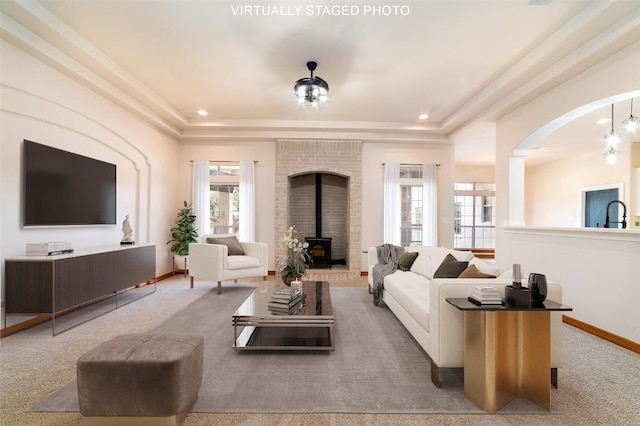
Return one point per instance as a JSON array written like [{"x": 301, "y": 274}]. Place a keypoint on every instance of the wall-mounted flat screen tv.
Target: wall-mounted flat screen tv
[{"x": 63, "y": 188}]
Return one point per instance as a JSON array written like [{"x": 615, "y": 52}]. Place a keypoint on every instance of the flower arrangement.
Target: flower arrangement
[{"x": 294, "y": 265}]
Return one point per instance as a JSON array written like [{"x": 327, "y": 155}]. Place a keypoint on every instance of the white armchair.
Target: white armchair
[{"x": 213, "y": 262}]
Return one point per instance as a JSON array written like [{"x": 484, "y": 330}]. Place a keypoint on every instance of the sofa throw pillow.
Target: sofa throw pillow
[
  {"x": 406, "y": 260},
  {"x": 428, "y": 260},
  {"x": 450, "y": 268},
  {"x": 462, "y": 256},
  {"x": 486, "y": 267},
  {"x": 473, "y": 272},
  {"x": 232, "y": 243}
]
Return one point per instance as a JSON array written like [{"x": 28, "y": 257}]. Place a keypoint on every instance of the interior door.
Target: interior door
[{"x": 595, "y": 208}]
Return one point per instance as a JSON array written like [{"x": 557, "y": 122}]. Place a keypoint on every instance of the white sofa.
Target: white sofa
[
  {"x": 213, "y": 262},
  {"x": 418, "y": 301}
]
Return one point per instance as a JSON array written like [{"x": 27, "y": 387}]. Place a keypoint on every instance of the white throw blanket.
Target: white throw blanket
[{"x": 388, "y": 257}]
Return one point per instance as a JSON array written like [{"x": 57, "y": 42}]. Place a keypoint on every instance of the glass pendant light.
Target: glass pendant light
[
  {"x": 612, "y": 156},
  {"x": 630, "y": 124},
  {"x": 612, "y": 138}
]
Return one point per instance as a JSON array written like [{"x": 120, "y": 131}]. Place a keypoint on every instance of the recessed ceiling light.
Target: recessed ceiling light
[
  {"x": 423, "y": 116},
  {"x": 604, "y": 121},
  {"x": 202, "y": 112}
]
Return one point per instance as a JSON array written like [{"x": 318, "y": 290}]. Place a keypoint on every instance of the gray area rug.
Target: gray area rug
[{"x": 377, "y": 367}]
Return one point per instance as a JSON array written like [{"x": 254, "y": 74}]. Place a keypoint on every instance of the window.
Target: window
[
  {"x": 411, "y": 205},
  {"x": 474, "y": 215},
  {"x": 224, "y": 198}
]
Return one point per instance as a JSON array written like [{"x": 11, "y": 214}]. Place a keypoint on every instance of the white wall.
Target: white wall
[
  {"x": 474, "y": 173},
  {"x": 548, "y": 203},
  {"x": 373, "y": 155},
  {"x": 598, "y": 275},
  {"x": 585, "y": 266},
  {"x": 42, "y": 105},
  {"x": 634, "y": 214}
]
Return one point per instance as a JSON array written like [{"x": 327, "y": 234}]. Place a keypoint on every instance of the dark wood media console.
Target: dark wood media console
[{"x": 49, "y": 285}]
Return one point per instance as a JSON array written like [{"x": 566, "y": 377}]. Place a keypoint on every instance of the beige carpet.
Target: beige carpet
[
  {"x": 376, "y": 367},
  {"x": 599, "y": 384}
]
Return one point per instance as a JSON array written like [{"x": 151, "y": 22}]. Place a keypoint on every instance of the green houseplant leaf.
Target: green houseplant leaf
[{"x": 183, "y": 233}]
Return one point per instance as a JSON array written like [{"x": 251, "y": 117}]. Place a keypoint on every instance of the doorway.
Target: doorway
[{"x": 595, "y": 207}]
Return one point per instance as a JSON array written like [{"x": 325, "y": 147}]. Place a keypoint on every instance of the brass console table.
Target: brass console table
[{"x": 507, "y": 353}]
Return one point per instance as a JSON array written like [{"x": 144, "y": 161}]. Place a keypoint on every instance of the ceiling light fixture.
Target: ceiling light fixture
[
  {"x": 312, "y": 91},
  {"x": 630, "y": 124},
  {"x": 612, "y": 156},
  {"x": 612, "y": 138},
  {"x": 202, "y": 112},
  {"x": 423, "y": 116}
]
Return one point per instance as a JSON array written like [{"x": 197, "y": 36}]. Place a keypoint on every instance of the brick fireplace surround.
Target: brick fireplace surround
[{"x": 342, "y": 158}]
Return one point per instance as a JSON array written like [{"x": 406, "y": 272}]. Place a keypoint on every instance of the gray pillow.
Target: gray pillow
[
  {"x": 235, "y": 249},
  {"x": 450, "y": 268}
]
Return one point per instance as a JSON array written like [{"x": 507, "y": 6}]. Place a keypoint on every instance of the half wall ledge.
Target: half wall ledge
[{"x": 613, "y": 234}]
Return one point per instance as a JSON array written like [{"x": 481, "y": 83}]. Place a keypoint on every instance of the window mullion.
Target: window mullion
[{"x": 473, "y": 223}]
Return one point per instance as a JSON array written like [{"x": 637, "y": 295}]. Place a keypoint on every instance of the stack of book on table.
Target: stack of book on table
[
  {"x": 485, "y": 295},
  {"x": 285, "y": 300},
  {"x": 48, "y": 249}
]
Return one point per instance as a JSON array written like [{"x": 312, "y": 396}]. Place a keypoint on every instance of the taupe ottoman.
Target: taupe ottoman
[{"x": 140, "y": 379}]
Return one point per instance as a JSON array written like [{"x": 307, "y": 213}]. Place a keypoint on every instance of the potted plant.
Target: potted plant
[
  {"x": 294, "y": 265},
  {"x": 182, "y": 235}
]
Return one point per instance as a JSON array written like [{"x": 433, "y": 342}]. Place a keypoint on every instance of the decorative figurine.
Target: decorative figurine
[{"x": 127, "y": 230}]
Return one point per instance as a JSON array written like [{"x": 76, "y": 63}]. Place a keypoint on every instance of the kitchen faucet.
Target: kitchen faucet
[{"x": 607, "y": 222}]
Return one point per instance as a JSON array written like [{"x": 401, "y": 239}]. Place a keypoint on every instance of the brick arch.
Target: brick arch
[
  {"x": 341, "y": 158},
  {"x": 326, "y": 216},
  {"x": 326, "y": 171}
]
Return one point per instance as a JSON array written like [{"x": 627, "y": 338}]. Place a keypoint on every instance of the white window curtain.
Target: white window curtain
[
  {"x": 430, "y": 205},
  {"x": 247, "y": 229},
  {"x": 391, "y": 206},
  {"x": 200, "y": 197}
]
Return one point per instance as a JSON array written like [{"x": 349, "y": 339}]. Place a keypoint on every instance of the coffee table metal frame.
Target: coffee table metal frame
[{"x": 316, "y": 315}]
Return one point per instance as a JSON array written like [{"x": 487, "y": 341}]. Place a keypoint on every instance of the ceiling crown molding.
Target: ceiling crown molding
[
  {"x": 584, "y": 44},
  {"x": 567, "y": 51}
]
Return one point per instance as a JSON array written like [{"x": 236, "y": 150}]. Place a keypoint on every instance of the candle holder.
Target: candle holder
[{"x": 517, "y": 297}]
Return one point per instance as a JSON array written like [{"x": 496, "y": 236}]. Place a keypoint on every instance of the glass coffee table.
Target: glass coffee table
[{"x": 308, "y": 328}]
